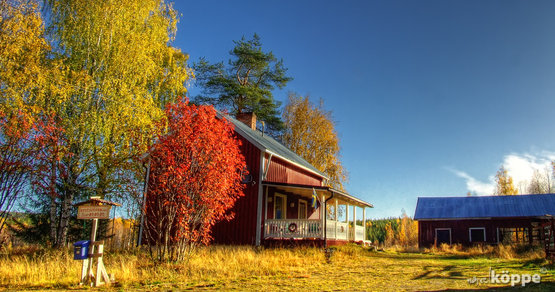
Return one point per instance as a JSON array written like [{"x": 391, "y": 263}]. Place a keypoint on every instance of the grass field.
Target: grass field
[{"x": 351, "y": 268}]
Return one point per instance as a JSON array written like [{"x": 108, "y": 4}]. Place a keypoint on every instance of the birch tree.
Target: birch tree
[
  {"x": 122, "y": 70},
  {"x": 94, "y": 83},
  {"x": 310, "y": 132},
  {"x": 504, "y": 184}
]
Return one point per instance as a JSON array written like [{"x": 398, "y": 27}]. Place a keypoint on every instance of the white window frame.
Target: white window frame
[
  {"x": 476, "y": 228},
  {"x": 284, "y": 198},
  {"x": 301, "y": 201},
  {"x": 450, "y": 235}
]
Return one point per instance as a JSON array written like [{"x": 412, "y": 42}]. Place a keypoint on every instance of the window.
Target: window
[
  {"x": 280, "y": 206},
  {"x": 512, "y": 235},
  {"x": 443, "y": 235},
  {"x": 477, "y": 234},
  {"x": 302, "y": 209}
]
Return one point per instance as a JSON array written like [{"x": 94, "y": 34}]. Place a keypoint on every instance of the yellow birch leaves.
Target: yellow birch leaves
[{"x": 310, "y": 132}]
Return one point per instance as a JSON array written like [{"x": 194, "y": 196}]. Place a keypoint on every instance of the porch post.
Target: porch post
[
  {"x": 354, "y": 222},
  {"x": 347, "y": 218},
  {"x": 364, "y": 223},
  {"x": 336, "y": 217},
  {"x": 323, "y": 216}
]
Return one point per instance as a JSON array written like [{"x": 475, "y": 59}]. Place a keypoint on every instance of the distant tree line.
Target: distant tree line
[{"x": 401, "y": 231}]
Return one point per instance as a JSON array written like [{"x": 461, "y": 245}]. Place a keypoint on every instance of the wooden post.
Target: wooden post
[
  {"x": 364, "y": 225},
  {"x": 347, "y": 219},
  {"x": 323, "y": 216},
  {"x": 354, "y": 223},
  {"x": 84, "y": 271},
  {"x": 94, "y": 209},
  {"x": 91, "y": 248},
  {"x": 336, "y": 217},
  {"x": 100, "y": 269}
]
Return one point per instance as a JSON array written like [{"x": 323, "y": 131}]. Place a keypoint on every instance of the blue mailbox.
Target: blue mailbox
[{"x": 81, "y": 249}]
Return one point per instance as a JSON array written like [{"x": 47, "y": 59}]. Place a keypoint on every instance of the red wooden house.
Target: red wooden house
[{"x": 278, "y": 197}]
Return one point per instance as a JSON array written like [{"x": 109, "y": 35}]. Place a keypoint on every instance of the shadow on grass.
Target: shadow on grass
[
  {"x": 421, "y": 256},
  {"x": 535, "y": 263},
  {"x": 431, "y": 273},
  {"x": 403, "y": 256}
]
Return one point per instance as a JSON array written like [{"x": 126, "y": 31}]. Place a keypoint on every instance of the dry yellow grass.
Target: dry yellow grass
[
  {"x": 246, "y": 268},
  {"x": 499, "y": 251}
]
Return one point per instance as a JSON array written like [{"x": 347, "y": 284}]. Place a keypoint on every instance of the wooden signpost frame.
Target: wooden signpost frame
[{"x": 100, "y": 277}]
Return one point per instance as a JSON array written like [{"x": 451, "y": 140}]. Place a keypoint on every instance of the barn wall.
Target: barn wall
[
  {"x": 282, "y": 172},
  {"x": 242, "y": 228},
  {"x": 460, "y": 229}
]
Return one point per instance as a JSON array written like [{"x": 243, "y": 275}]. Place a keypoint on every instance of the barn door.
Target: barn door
[{"x": 443, "y": 235}]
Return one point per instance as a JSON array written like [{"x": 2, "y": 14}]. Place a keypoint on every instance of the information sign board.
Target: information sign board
[{"x": 93, "y": 212}]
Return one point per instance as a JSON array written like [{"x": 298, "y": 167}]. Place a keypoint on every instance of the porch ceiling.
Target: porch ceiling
[{"x": 306, "y": 191}]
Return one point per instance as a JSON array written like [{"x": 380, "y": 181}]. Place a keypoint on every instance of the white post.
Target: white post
[
  {"x": 336, "y": 217},
  {"x": 91, "y": 248},
  {"x": 354, "y": 222},
  {"x": 364, "y": 224},
  {"x": 323, "y": 216},
  {"x": 347, "y": 218}
]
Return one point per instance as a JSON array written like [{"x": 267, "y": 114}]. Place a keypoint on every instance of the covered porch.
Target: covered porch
[{"x": 313, "y": 213}]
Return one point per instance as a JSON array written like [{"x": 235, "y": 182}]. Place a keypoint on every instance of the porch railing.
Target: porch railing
[
  {"x": 309, "y": 228},
  {"x": 292, "y": 228},
  {"x": 359, "y": 233},
  {"x": 331, "y": 227},
  {"x": 337, "y": 230}
]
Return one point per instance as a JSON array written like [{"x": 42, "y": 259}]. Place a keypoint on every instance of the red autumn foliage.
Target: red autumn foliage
[
  {"x": 15, "y": 159},
  {"x": 194, "y": 180},
  {"x": 50, "y": 175},
  {"x": 50, "y": 144}
]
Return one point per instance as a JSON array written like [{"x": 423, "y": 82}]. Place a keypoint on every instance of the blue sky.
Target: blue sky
[{"x": 430, "y": 97}]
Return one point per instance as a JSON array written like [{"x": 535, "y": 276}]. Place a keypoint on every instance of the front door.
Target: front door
[
  {"x": 302, "y": 209},
  {"x": 280, "y": 206}
]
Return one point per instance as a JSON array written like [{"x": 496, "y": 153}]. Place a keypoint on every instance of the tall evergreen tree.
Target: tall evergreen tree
[{"x": 246, "y": 83}]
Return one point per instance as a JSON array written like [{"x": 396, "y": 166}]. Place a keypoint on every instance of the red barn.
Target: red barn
[
  {"x": 284, "y": 198},
  {"x": 486, "y": 220}
]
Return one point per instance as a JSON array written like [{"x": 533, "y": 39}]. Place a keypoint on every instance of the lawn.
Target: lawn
[{"x": 245, "y": 268}]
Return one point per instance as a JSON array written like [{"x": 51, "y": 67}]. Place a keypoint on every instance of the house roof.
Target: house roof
[
  {"x": 305, "y": 190},
  {"x": 485, "y": 207},
  {"x": 266, "y": 143}
]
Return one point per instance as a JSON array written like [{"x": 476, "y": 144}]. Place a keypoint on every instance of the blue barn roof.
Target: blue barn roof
[{"x": 484, "y": 207}]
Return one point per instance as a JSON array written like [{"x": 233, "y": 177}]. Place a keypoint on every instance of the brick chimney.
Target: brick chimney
[{"x": 248, "y": 119}]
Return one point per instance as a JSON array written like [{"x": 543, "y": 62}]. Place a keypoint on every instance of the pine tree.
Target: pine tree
[{"x": 246, "y": 83}]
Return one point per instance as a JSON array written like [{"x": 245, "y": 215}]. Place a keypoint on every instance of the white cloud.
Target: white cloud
[
  {"x": 479, "y": 187},
  {"x": 520, "y": 167}
]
